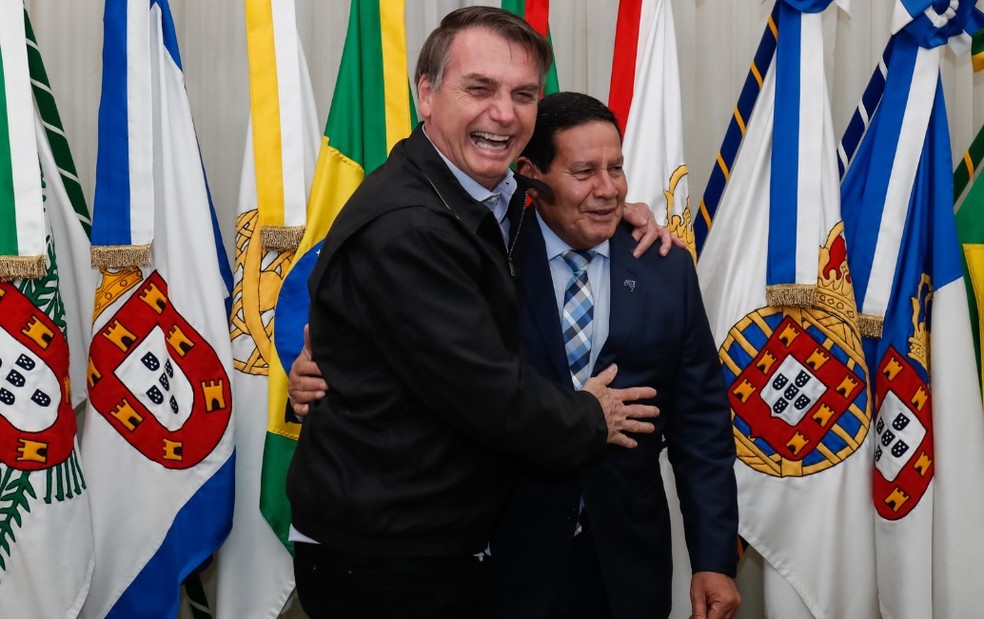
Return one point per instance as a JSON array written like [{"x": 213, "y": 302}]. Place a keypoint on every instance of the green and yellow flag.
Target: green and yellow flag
[
  {"x": 970, "y": 231},
  {"x": 370, "y": 111}
]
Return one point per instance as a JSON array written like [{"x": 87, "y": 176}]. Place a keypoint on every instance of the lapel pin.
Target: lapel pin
[{"x": 630, "y": 284}]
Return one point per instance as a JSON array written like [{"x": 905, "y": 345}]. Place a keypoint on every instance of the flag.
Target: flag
[
  {"x": 537, "y": 14},
  {"x": 779, "y": 298},
  {"x": 370, "y": 111},
  {"x": 735, "y": 133},
  {"x": 645, "y": 96},
  {"x": 904, "y": 255},
  {"x": 970, "y": 230},
  {"x": 45, "y": 531},
  {"x": 255, "y": 574},
  {"x": 157, "y": 444}
]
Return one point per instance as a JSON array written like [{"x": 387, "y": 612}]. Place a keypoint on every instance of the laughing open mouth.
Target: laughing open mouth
[{"x": 491, "y": 141}]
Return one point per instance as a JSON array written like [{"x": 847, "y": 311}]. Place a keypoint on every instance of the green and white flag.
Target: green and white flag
[{"x": 46, "y": 556}]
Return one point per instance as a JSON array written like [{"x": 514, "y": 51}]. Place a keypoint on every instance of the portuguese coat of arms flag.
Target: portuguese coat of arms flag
[
  {"x": 157, "y": 443},
  {"x": 927, "y": 417},
  {"x": 779, "y": 296},
  {"x": 46, "y": 287}
]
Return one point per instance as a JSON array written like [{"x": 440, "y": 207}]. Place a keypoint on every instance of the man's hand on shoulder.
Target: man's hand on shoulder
[
  {"x": 305, "y": 383},
  {"x": 713, "y": 596},
  {"x": 620, "y": 416},
  {"x": 646, "y": 231}
]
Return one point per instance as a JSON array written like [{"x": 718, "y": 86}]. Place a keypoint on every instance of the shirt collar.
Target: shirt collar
[
  {"x": 556, "y": 246},
  {"x": 497, "y": 200}
]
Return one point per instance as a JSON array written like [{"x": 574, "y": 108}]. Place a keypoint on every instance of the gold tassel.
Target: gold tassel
[
  {"x": 871, "y": 326},
  {"x": 120, "y": 256},
  {"x": 23, "y": 267},
  {"x": 791, "y": 295},
  {"x": 281, "y": 238}
]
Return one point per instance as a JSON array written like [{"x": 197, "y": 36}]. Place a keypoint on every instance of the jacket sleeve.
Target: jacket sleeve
[
  {"x": 701, "y": 445},
  {"x": 426, "y": 290}
]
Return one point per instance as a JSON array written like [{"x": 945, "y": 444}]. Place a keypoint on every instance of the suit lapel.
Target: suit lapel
[
  {"x": 538, "y": 301},
  {"x": 624, "y": 312}
]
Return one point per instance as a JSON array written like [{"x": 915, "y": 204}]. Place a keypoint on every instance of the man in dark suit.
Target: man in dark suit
[{"x": 596, "y": 543}]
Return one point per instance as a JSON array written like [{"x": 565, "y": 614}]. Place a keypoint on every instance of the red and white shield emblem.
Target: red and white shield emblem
[
  {"x": 904, "y": 449},
  {"x": 793, "y": 393},
  {"x": 157, "y": 381},
  {"x": 37, "y": 423}
]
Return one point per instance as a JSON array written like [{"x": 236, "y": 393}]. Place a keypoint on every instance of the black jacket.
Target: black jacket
[{"x": 431, "y": 410}]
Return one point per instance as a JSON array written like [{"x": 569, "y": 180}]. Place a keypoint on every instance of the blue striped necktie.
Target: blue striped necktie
[{"x": 576, "y": 317}]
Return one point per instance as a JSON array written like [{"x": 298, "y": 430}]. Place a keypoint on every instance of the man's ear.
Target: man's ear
[
  {"x": 525, "y": 167},
  {"x": 424, "y": 94}
]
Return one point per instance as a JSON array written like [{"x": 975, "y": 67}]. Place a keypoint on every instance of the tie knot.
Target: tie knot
[
  {"x": 577, "y": 260},
  {"x": 492, "y": 199}
]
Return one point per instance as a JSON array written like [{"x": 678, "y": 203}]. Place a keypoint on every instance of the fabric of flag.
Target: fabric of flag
[
  {"x": 281, "y": 148},
  {"x": 22, "y": 226},
  {"x": 370, "y": 111},
  {"x": 45, "y": 531},
  {"x": 735, "y": 134},
  {"x": 904, "y": 254},
  {"x": 157, "y": 443},
  {"x": 779, "y": 298},
  {"x": 645, "y": 96},
  {"x": 537, "y": 14},
  {"x": 970, "y": 229}
]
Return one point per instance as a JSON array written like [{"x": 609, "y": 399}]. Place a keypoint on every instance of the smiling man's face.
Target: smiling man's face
[
  {"x": 483, "y": 111},
  {"x": 588, "y": 184}
]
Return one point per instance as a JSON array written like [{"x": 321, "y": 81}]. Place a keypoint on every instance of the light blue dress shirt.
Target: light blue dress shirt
[
  {"x": 598, "y": 277},
  {"x": 497, "y": 200}
]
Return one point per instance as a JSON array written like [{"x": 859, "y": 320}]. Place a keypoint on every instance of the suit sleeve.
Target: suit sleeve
[
  {"x": 425, "y": 292},
  {"x": 701, "y": 445}
]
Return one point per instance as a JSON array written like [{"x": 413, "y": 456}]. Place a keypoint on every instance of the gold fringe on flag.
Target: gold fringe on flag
[
  {"x": 791, "y": 295},
  {"x": 281, "y": 238},
  {"x": 23, "y": 267},
  {"x": 871, "y": 326},
  {"x": 120, "y": 256}
]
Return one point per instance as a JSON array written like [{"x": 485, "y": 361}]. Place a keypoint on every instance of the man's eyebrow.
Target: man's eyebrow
[
  {"x": 582, "y": 164},
  {"x": 478, "y": 77}
]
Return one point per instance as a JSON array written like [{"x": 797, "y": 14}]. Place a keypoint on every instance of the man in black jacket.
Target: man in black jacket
[{"x": 402, "y": 469}]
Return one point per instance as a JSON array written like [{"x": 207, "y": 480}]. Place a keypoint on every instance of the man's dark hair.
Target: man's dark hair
[
  {"x": 560, "y": 111},
  {"x": 435, "y": 54}
]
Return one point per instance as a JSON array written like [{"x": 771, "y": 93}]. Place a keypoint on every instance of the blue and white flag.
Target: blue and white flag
[
  {"x": 157, "y": 443},
  {"x": 905, "y": 257},
  {"x": 778, "y": 292},
  {"x": 45, "y": 532}
]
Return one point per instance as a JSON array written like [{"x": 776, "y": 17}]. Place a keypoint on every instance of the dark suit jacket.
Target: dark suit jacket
[
  {"x": 659, "y": 336},
  {"x": 414, "y": 320}
]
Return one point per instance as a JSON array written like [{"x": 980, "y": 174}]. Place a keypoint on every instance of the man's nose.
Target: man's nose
[
  {"x": 605, "y": 187},
  {"x": 502, "y": 109}
]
